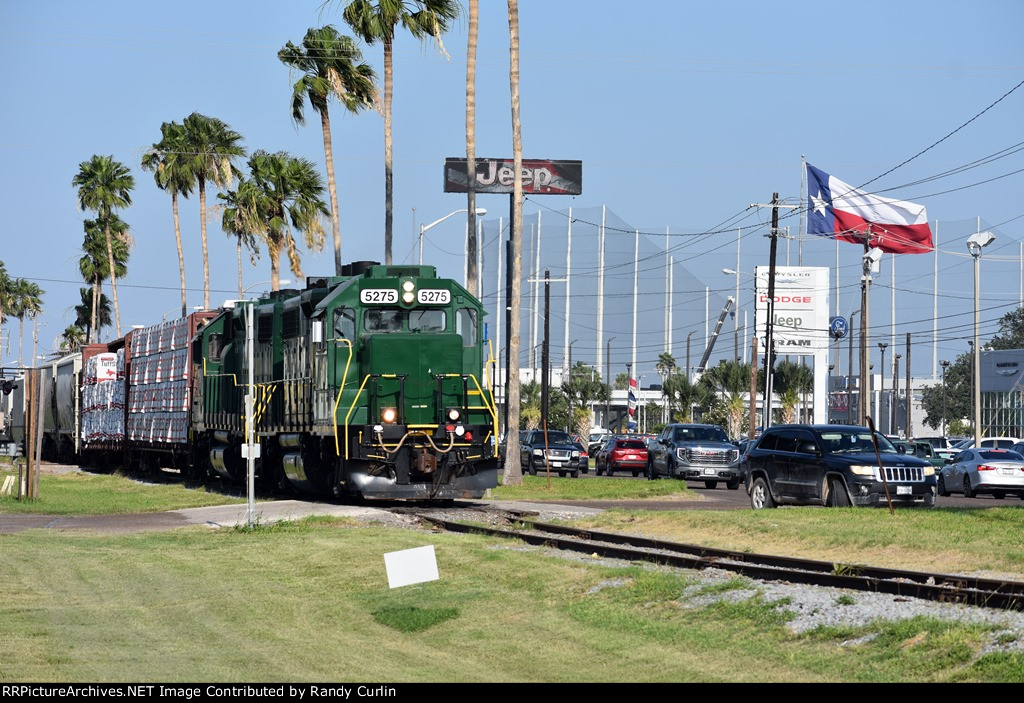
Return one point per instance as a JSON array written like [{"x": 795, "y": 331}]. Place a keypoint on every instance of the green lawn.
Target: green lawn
[
  {"x": 948, "y": 540},
  {"x": 83, "y": 493},
  {"x": 309, "y": 602}
]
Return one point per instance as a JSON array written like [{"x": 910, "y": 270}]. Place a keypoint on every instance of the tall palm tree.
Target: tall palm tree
[
  {"x": 212, "y": 147},
  {"x": 94, "y": 265},
  {"x": 86, "y": 312},
  {"x": 6, "y": 293},
  {"x": 330, "y": 65},
  {"x": 290, "y": 193},
  {"x": 513, "y": 473},
  {"x": 105, "y": 185},
  {"x": 242, "y": 219},
  {"x": 377, "y": 22},
  {"x": 471, "y": 243},
  {"x": 168, "y": 159},
  {"x": 27, "y": 302}
]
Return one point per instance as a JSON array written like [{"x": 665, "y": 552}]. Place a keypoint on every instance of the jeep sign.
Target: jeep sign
[{"x": 540, "y": 177}]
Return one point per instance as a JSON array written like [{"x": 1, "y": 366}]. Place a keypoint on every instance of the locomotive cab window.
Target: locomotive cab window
[
  {"x": 465, "y": 325},
  {"x": 216, "y": 346},
  {"x": 427, "y": 320},
  {"x": 345, "y": 323},
  {"x": 382, "y": 320}
]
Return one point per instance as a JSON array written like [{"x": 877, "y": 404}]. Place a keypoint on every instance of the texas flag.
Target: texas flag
[{"x": 837, "y": 209}]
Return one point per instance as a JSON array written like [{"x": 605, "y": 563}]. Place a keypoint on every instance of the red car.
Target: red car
[{"x": 621, "y": 454}]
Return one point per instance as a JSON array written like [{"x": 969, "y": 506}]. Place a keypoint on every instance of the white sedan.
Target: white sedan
[{"x": 974, "y": 471}]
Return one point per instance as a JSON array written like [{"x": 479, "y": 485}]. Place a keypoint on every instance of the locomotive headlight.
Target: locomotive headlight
[
  {"x": 408, "y": 286},
  {"x": 453, "y": 414},
  {"x": 408, "y": 297},
  {"x": 388, "y": 416},
  {"x": 460, "y": 430}
]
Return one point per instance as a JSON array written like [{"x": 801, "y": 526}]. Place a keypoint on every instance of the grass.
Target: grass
[
  {"x": 537, "y": 488},
  {"x": 83, "y": 493},
  {"x": 151, "y": 607},
  {"x": 953, "y": 540}
]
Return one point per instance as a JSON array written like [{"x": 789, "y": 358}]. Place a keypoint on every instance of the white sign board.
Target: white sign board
[
  {"x": 801, "y": 309},
  {"x": 411, "y": 566}
]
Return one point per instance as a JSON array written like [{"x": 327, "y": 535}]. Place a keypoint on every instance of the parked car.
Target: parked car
[
  {"x": 556, "y": 450},
  {"x": 936, "y": 442},
  {"x": 834, "y": 465},
  {"x": 696, "y": 453},
  {"x": 621, "y": 454},
  {"x": 989, "y": 443},
  {"x": 584, "y": 455},
  {"x": 597, "y": 440},
  {"x": 993, "y": 471}
]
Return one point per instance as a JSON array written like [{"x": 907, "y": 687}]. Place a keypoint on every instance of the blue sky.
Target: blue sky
[{"x": 682, "y": 113}]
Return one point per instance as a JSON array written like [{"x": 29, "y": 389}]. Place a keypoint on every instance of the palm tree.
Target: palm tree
[
  {"x": 168, "y": 159},
  {"x": 683, "y": 395},
  {"x": 377, "y": 22},
  {"x": 789, "y": 382},
  {"x": 85, "y": 312},
  {"x": 94, "y": 265},
  {"x": 513, "y": 474},
  {"x": 583, "y": 388},
  {"x": 27, "y": 302},
  {"x": 242, "y": 219},
  {"x": 6, "y": 293},
  {"x": 471, "y": 243},
  {"x": 105, "y": 185},
  {"x": 290, "y": 196},
  {"x": 330, "y": 65},
  {"x": 71, "y": 338},
  {"x": 211, "y": 146},
  {"x": 530, "y": 412},
  {"x": 732, "y": 380}
]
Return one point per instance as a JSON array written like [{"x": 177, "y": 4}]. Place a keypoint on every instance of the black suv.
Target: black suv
[
  {"x": 562, "y": 453},
  {"x": 833, "y": 465},
  {"x": 696, "y": 453}
]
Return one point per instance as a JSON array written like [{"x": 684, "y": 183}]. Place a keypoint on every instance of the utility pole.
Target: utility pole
[
  {"x": 545, "y": 357},
  {"x": 769, "y": 343},
  {"x": 769, "y": 346},
  {"x": 908, "y": 387},
  {"x": 753, "y": 390}
]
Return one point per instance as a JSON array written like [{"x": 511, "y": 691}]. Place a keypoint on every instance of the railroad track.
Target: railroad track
[{"x": 945, "y": 588}]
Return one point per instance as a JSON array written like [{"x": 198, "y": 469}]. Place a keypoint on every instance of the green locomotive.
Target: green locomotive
[{"x": 373, "y": 383}]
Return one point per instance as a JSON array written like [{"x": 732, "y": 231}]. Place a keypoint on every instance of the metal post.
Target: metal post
[
  {"x": 250, "y": 430},
  {"x": 881, "y": 380}
]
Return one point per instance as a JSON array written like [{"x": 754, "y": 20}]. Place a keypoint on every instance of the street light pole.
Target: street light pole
[
  {"x": 895, "y": 402},
  {"x": 423, "y": 228},
  {"x": 881, "y": 381},
  {"x": 975, "y": 243},
  {"x": 944, "y": 363},
  {"x": 611, "y": 385}
]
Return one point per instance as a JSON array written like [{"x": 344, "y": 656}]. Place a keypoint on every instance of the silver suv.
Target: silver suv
[{"x": 695, "y": 453}]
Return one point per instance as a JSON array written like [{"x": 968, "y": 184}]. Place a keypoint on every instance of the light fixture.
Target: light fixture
[{"x": 389, "y": 415}]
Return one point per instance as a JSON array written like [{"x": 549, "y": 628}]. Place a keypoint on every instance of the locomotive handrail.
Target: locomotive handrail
[
  {"x": 349, "y": 415},
  {"x": 337, "y": 401}
]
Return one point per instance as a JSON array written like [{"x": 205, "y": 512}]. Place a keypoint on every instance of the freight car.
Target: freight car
[{"x": 372, "y": 384}]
